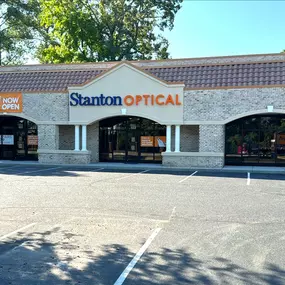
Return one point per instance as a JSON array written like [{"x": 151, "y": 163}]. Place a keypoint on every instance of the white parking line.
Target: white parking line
[
  {"x": 133, "y": 262},
  {"x": 248, "y": 179},
  {"x": 187, "y": 177},
  {"x": 16, "y": 231},
  {"x": 34, "y": 171},
  {"x": 99, "y": 169},
  {"x": 137, "y": 173}
]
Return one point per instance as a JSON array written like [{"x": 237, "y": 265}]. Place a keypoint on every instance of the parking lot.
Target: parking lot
[{"x": 72, "y": 225}]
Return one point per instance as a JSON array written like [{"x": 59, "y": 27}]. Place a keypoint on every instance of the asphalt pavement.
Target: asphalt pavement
[{"x": 74, "y": 225}]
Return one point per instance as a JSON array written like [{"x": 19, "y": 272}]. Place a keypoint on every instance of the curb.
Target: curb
[{"x": 155, "y": 167}]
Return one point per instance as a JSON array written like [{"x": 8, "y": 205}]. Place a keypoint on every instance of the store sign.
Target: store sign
[
  {"x": 281, "y": 139},
  {"x": 32, "y": 140},
  {"x": 146, "y": 141},
  {"x": 7, "y": 139},
  {"x": 126, "y": 90},
  {"x": 11, "y": 103},
  {"x": 77, "y": 99},
  {"x": 153, "y": 141}
]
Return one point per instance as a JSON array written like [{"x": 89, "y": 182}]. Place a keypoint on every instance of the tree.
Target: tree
[
  {"x": 18, "y": 23},
  {"x": 104, "y": 30}
]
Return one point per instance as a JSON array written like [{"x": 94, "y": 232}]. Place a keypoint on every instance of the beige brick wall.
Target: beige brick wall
[
  {"x": 194, "y": 162},
  {"x": 93, "y": 141},
  {"x": 189, "y": 141},
  {"x": 66, "y": 137},
  {"x": 48, "y": 137},
  {"x": 212, "y": 138},
  {"x": 46, "y": 107},
  {"x": 222, "y": 104}
]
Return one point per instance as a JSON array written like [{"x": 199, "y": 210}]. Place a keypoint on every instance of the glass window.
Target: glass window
[
  {"x": 24, "y": 142},
  {"x": 251, "y": 123},
  {"x": 133, "y": 139},
  {"x": 258, "y": 139}
]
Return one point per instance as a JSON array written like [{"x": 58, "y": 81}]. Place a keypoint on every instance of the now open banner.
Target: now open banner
[{"x": 11, "y": 102}]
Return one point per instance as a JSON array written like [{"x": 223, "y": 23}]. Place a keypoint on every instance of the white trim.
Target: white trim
[
  {"x": 198, "y": 123},
  {"x": 236, "y": 117},
  {"x": 255, "y": 112},
  {"x": 182, "y": 123},
  {"x": 177, "y": 138},
  {"x": 77, "y": 137},
  {"x": 137, "y": 114},
  {"x": 21, "y": 115},
  {"x": 168, "y": 138},
  {"x": 59, "y": 123},
  {"x": 84, "y": 138}
]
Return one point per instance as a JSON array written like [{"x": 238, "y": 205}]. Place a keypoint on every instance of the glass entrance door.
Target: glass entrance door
[
  {"x": 133, "y": 151},
  {"x": 7, "y": 146},
  {"x": 118, "y": 140},
  {"x": 18, "y": 138},
  {"x": 131, "y": 139}
]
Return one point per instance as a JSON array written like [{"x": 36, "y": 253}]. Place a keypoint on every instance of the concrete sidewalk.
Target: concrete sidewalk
[{"x": 149, "y": 166}]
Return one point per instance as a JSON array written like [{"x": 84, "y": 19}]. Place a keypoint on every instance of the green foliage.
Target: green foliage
[
  {"x": 18, "y": 26},
  {"x": 105, "y": 30}
]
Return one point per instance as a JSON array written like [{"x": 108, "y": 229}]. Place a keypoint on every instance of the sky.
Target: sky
[{"x": 220, "y": 28}]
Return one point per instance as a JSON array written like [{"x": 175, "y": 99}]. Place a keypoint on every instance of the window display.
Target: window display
[{"x": 258, "y": 139}]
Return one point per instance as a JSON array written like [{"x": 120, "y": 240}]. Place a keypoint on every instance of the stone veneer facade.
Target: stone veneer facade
[{"x": 205, "y": 114}]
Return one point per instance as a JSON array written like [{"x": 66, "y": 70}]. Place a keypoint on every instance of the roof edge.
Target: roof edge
[
  {"x": 248, "y": 58},
  {"x": 130, "y": 65}
]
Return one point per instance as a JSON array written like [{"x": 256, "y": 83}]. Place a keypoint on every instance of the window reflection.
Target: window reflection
[
  {"x": 258, "y": 139},
  {"x": 131, "y": 139},
  {"x": 18, "y": 139}
]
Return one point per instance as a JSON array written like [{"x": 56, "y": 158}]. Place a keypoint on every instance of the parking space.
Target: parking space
[{"x": 73, "y": 225}]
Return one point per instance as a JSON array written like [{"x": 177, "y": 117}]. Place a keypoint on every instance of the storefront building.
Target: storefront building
[{"x": 194, "y": 113}]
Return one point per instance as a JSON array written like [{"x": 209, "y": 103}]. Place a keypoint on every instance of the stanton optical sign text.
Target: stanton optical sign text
[{"x": 77, "y": 99}]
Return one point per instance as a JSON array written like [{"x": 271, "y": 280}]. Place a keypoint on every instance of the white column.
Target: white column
[
  {"x": 177, "y": 138},
  {"x": 77, "y": 138},
  {"x": 84, "y": 138},
  {"x": 168, "y": 138}
]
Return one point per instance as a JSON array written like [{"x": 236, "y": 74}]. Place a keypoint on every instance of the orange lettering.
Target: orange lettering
[
  {"x": 138, "y": 99},
  {"x": 152, "y": 100},
  {"x": 177, "y": 100},
  {"x": 157, "y": 98},
  {"x": 169, "y": 100},
  {"x": 146, "y": 96},
  {"x": 129, "y": 100}
]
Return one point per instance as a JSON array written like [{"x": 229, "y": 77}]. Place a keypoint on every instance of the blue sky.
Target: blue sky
[{"x": 219, "y": 28}]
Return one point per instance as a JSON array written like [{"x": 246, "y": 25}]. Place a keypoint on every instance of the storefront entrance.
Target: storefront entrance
[
  {"x": 18, "y": 139},
  {"x": 256, "y": 140},
  {"x": 131, "y": 139}
]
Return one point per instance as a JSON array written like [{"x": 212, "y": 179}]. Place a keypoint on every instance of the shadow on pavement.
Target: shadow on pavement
[
  {"x": 74, "y": 171},
  {"x": 36, "y": 259}
]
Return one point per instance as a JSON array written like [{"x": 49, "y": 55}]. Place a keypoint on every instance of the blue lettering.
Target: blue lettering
[
  {"x": 117, "y": 101},
  {"x": 110, "y": 99},
  {"x": 86, "y": 101},
  {"x": 102, "y": 102},
  {"x": 95, "y": 101},
  {"x": 77, "y": 99},
  {"x": 74, "y": 97}
]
